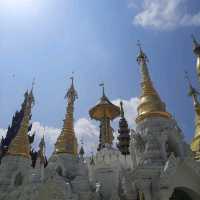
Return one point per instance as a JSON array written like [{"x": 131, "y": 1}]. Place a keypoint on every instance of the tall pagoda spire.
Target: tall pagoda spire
[
  {"x": 196, "y": 50},
  {"x": 150, "y": 104},
  {"x": 67, "y": 142},
  {"x": 20, "y": 144},
  {"x": 195, "y": 146},
  {"x": 104, "y": 112}
]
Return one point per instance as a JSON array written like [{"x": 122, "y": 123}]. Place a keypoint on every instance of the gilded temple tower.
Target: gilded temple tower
[
  {"x": 150, "y": 104},
  {"x": 151, "y": 110},
  {"x": 156, "y": 140},
  {"x": 67, "y": 142},
  {"x": 195, "y": 146},
  {"x": 16, "y": 161},
  {"x": 20, "y": 144},
  {"x": 104, "y": 112}
]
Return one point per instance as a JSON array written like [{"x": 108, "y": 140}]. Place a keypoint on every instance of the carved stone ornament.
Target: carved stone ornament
[
  {"x": 170, "y": 166},
  {"x": 139, "y": 143}
]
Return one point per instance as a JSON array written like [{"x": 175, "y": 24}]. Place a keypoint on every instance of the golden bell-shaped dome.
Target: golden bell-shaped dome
[
  {"x": 150, "y": 104},
  {"x": 104, "y": 109}
]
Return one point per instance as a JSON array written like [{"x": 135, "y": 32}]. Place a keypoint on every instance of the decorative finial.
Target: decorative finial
[
  {"x": 196, "y": 50},
  {"x": 192, "y": 91},
  {"x": 72, "y": 78},
  {"x": 122, "y": 109},
  {"x": 194, "y": 41},
  {"x": 71, "y": 93},
  {"x": 44, "y": 133},
  {"x": 103, "y": 88},
  {"x": 33, "y": 84},
  {"x": 139, "y": 45},
  {"x": 142, "y": 58}
]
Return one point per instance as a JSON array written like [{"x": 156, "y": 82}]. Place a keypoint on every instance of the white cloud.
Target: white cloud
[
  {"x": 189, "y": 20},
  {"x": 130, "y": 109},
  {"x": 19, "y": 8},
  {"x": 165, "y": 14},
  {"x": 2, "y": 132},
  {"x": 86, "y": 130},
  {"x": 50, "y": 133}
]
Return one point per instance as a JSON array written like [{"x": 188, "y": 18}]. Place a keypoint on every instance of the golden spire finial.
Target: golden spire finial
[
  {"x": 142, "y": 58},
  {"x": 67, "y": 142},
  {"x": 71, "y": 95},
  {"x": 72, "y": 79},
  {"x": 150, "y": 103},
  {"x": 196, "y": 50},
  {"x": 195, "y": 43},
  {"x": 20, "y": 144},
  {"x": 33, "y": 84}
]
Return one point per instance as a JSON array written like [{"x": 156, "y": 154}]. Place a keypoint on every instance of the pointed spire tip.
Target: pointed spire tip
[
  {"x": 33, "y": 84},
  {"x": 142, "y": 57},
  {"x": 194, "y": 39},
  {"x": 103, "y": 88},
  {"x": 122, "y": 109}
]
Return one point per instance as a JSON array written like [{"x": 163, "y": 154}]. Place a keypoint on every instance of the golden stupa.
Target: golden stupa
[
  {"x": 20, "y": 144},
  {"x": 67, "y": 142},
  {"x": 195, "y": 145},
  {"x": 150, "y": 104}
]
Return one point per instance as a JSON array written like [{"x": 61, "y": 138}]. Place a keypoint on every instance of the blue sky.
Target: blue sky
[{"x": 48, "y": 39}]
